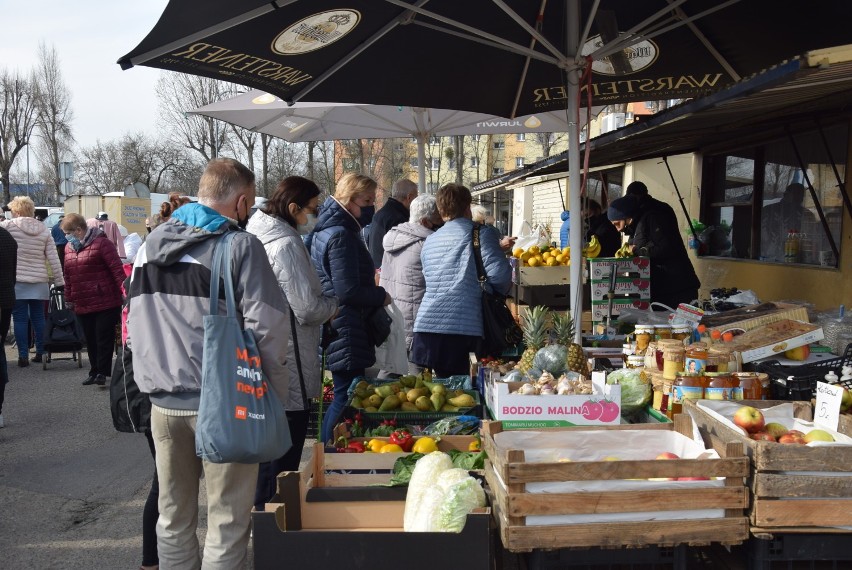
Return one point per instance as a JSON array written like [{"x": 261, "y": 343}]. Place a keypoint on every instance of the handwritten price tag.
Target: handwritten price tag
[{"x": 827, "y": 411}]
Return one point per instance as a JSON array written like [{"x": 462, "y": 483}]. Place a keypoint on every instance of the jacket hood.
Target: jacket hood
[
  {"x": 29, "y": 226},
  {"x": 270, "y": 228},
  {"x": 189, "y": 225},
  {"x": 402, "y": 236},
  {"x": 333, "y": 214}
]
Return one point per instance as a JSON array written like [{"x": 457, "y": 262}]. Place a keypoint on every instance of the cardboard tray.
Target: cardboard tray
[
  {"x": 512, "y": 503},
  {"x": 790, "y": 484},
  {"x": 773, "y": 338}
]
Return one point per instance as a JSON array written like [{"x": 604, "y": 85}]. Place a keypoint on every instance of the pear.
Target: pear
[
  {"x": 375, "y": 401},
  {"x": 371, "y": 409},
  {"x": 423, "y": 404},
  {"x": 408, "y": 407},
  {"x": 463, "y": 401},
  {"x": 392, "y": 402},
  {"x": 356, "y": 402},
  {"x": 438, "y": 401},
  {"x": 385, "y": 390},
  {"x": 436, "y": 387},
  {"x": 362, "y": 392},
  {"x": 415, "y": 393},
  {"x": 449, "y": 408}
]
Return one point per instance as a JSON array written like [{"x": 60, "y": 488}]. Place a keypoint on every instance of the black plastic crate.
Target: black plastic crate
[
  {"x": 789, "y": 551},
  {"x": 314, "y": 418},
  {"x": 651, "y": 557},
  {"x": 804, "y": 377}
]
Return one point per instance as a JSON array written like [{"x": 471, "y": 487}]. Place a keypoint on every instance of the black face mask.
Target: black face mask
[{"x": 629, "y": 230}]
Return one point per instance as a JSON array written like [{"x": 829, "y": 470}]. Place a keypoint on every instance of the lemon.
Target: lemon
[
  {"x": 518, "y": 252},
  {"x": 390, "y": 448},
  {"x": 534, "y": 249},
  {"x": 526, "y": 256},
  {"x": 425, "y": 445},
  {"x": 376, "y": 445},
  {"x": 560, "y": 258},
  {"x": 533, "y": 262},
  {"x": 551, "y": 262}
]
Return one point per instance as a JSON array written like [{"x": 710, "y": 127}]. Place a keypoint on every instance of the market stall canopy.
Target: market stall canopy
[
  {"x": 502, "y": 57},
  {"x": 265, "y": 113},
  {"x": 798, "y": 92}
]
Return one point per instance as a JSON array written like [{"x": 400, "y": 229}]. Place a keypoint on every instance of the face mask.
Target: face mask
[
  {"x": 366, "y": 215},
  {"x": 75, "y": 243},
  {"x": 307, "y": 227}
]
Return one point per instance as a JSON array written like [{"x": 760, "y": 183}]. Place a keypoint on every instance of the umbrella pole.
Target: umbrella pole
[
  {"x": 575, "y": 232},
  {"x": 421, "y": 162}
]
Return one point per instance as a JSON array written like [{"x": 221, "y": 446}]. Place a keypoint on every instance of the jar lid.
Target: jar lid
[
  {"x": 719, "y": 351},
  {"x": 664, "y": 327},
  {"x": 673, "y": 353},
  {"x": 682, "y": 328},
  {"x": 698, "y": 345},
  {"x": 663, "y": 343},
  {"x": 644, "y": 329},
  {"x": 636, "y": 360}
]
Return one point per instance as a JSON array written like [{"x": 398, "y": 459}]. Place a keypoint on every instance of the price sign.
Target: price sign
[{"x": 827, "y": 411}]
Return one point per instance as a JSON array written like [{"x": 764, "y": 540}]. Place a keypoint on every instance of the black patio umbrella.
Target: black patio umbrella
[{"x": 501, "y": 57}]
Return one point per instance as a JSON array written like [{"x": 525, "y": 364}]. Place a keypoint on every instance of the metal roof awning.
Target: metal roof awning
[{"x": 794, "y": 94}]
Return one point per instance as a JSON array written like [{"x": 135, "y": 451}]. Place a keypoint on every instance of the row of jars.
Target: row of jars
[
  {"x": 671, "y": 357},
  {"x": 644, "y": 335},
  {"x": 669, "y": 394}
]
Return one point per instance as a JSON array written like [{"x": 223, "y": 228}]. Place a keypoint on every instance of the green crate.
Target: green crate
[{"x": 415, "y": 418}]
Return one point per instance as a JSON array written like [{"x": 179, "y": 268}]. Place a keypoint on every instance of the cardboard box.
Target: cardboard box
[
  {"x": 553, "y": 296},
  {"x": 783, "y": 311},
  {"x": 322, "y": 520},
  {"x": 774, "y": 338},
  {"x": 794, "y": 487},
  {"x": 602, "y": 267},
  {"x": 556, "y": 275},
  {"x": 516, "y": 410},
  {"x": 595, "y": 502},
  {"x": 623, "y": 286},
  {"x": 600, "y": 309}
]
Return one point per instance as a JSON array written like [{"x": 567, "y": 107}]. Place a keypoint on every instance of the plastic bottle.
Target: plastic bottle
[{"x": 831, "y": 377}]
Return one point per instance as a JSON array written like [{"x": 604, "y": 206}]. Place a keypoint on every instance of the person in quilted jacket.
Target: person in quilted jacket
[
  {"x": 346, "y": 271},
  {"x": 94, "y": 276},
  {"x": 38, "y": 267},
  {"x": 449, "y": 321}
]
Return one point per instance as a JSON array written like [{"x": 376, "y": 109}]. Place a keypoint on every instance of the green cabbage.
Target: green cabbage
[
  {"x": 551, "y": 358},
  {"x": 440, "y": 496},
  {"x": 635, "y": 391},
  {"x": 460, "y": 499}
]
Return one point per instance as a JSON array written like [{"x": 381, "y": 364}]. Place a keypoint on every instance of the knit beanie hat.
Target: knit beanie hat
[{"x": 622, "y": 208}]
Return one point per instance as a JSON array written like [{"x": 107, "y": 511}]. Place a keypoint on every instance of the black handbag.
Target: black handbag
[
  {"x": 500, "y": 330},
  {"x": 379, "y": 325}
]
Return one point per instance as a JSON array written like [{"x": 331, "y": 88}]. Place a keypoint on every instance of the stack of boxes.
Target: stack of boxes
[{"x": 632, "y": 287}]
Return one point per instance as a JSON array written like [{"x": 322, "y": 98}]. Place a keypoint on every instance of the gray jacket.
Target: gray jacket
[
  {"x": 170, "y": 295},
  {"x": 301, "y": 287},
  {"x": 402, "y": 270}
]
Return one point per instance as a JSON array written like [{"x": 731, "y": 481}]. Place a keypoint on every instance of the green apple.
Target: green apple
[
  {"x": 775, "y": 429},
  {"x": 818, "y": 435},
  {"x": 846, "y": 401}
]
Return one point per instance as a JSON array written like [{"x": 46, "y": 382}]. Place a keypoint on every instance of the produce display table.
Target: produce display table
[{"x": 509, "y": 474}]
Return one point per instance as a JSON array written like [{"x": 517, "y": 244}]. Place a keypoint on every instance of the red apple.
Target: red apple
[
  {"x": 775, "y": 429},
  {"x": 693, "y": 478},
  {"x": 790, "y": 438},
  {"x": 762, "y": 436},
  {"x": 667, "y": 455},
  {"x": 797, "y": 432},
  {"x": 750, "y": 419}
]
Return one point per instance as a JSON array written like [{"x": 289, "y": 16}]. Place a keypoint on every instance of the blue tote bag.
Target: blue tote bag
[{"x": 240, "y": 418}]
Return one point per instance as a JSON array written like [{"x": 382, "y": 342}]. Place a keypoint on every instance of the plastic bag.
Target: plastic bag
[
  {"x": 132, "y": 243},
  {"x": 391, "y": 355},
  {"x": 646, "y": 316},
  {"x": 532, "y": 235}
]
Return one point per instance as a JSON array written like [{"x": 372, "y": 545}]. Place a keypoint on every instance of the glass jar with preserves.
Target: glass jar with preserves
[
  {"x": 695, "y": 358},
  {"x": 666, "y": 399},
  {"x": 651, "y": 356},
  {"x": 683, "y": 333},
  {"x": 672, "y": 362},
  {"x": 662, "y": 346},
  {"x": 720, "y": 386},
  {"x": 662, "y": 332},
  {"x": 657, "y": 382},
  {"x": 717, "y": 359},
  {"x": 644, "y": 334},
  {"x": 686, "y": 386},
  {"x": 749, "y": 386}
]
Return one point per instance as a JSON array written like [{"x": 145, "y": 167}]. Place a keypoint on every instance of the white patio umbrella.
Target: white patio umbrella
[{"x": 301, "y": 122}]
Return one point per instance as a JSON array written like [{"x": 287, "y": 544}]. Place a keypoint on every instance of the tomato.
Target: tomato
[
  {"x": 610, "y": 412},
  {"x": 592, "y": 410}
]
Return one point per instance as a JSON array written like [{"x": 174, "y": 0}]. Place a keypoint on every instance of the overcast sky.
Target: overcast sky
[{"x": 89, "y": 36}]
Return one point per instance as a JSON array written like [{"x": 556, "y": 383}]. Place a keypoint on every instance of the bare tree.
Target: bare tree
[
  {"x": 54, "y": 114},
  {"x": 179, "y": 93},
  {"x": 18, "y": 97}
]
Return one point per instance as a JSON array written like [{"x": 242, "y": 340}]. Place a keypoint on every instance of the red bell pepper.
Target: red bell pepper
[
  {"x": 343, "y": 445},
  {"x": 403, "y": 438}
]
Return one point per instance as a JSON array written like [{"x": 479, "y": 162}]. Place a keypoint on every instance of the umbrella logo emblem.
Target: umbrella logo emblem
[
  {"x": 636, "y": 57},
  {"x": 315, "y": 32},
  {"x": 532, "y": 123}
]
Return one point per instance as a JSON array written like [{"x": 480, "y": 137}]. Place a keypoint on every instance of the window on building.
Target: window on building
[
  {"x": 519, "y": 162},
  {"x": 474, "y": 161},
  {"x": 499, "y": 144},
  {"x": 413, "y": 162},
  {"x": 431, "y": 187},
  {"x": 521, "y": 137},
  {"x": 497, "y": 171},
  {"x": 451, "y": 163},
  {"x": 399, "y": 146},
  {"x": 475, "y": 137},
  {"x": 434, "y": 163},
  {"x": 755, "y": 197},
  {"x": 350, "y": 164}
]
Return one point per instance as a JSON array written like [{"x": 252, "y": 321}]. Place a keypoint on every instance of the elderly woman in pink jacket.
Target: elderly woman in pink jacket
[{"x": 36, "y": 252}]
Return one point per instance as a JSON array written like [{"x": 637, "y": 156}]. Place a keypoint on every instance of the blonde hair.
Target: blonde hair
[
  {"x": 352, "y": 185},
  {"x": 22, "y": 206},
  {"x": 478, "y": 213},
  {"x": 222, "y": 179}
]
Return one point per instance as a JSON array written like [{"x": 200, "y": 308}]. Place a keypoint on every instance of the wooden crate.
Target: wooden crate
[
  {"x": 786, "y": 494},
  {"x": 511, "y": 504}
]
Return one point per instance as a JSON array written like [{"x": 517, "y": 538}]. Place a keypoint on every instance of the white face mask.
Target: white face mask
[{"x": 307, "y": 227}]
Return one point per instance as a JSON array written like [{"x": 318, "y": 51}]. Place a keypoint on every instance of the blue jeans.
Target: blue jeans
[
  {"x": 341, "y": 380},
  {"x": 26, "y": 311}
]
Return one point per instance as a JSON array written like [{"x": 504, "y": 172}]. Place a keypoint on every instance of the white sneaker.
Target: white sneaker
[{"x": 2, "y": 424}]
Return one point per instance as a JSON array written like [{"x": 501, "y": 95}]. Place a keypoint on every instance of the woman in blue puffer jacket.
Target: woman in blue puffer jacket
[
  {"x": 449, "y": 321},
  {"x": 346, "y": 271}
]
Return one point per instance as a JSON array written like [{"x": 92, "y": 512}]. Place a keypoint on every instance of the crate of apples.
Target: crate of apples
[{"x": 753, "y": 422}]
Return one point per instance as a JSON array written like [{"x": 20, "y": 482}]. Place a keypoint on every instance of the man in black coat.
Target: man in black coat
[
  {"x": 654, "y": 234},
  {"x": 8, "y": 269},
  {"x": 393, "y": 213}
]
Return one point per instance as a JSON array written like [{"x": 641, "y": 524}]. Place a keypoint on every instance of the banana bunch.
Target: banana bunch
[
  {"x": 592, "y": 250},
  {"x": 624, "y": 251}
]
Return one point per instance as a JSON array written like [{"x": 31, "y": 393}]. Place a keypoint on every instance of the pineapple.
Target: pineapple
[
  {"x": 563, "y": 328},
  {"x": 534, "y": 325}
]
